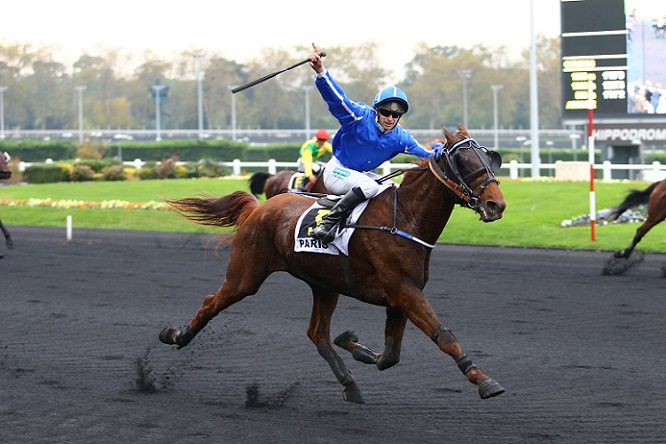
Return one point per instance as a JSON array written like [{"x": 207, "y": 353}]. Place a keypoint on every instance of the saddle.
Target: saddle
[
  {"x": 328, "y": 201},
  {"x": 295, "y": 181}
]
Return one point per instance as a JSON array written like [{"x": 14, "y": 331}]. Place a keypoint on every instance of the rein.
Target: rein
[{"x": 394, "y": 229}]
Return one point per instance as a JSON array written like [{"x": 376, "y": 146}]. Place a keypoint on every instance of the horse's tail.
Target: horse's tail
[
  {"x": 225, "y": 211},
  {"x": 633, "y": 199},
  {"x": 258, "y": 182}
]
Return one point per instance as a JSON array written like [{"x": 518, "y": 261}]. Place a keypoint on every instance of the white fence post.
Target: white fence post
[
  {"x": 386, "y": 168},
  {"x": 607, "y": 171},
  {"x": 513, "y": 169},
  {"x": 272, "y": 168},
  {"x": 237, "y": 167}
]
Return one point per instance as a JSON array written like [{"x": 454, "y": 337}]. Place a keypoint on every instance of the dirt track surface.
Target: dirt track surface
[{"x": 581, "y": 355}]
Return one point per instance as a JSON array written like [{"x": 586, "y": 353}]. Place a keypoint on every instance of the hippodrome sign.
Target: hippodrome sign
[{"x": 630, "y": 133}]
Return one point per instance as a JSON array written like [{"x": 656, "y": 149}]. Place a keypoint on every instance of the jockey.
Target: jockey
[
  {"x": 311, "y": 151},
  {"x": 368, "y": 137}
]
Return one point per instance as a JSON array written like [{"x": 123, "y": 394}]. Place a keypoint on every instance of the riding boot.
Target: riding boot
[{"x": 325, "y": 231}]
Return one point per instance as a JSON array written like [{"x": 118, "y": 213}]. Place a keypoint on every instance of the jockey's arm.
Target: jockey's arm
[{"x": 306, "y": 157}]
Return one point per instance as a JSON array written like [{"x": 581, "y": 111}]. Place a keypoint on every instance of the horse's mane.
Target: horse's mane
[{"x": 419, "y": 167}]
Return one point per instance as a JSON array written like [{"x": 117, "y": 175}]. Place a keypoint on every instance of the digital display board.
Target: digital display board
[{"x": 613, "y": 58}]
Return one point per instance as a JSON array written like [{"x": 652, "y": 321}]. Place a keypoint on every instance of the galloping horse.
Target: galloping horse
[
  {"x": 262, "y": 182},
  {"x": 5, "y": 173},
  {"x": 386, "y": 266},
  {"x": 655, "y": 198}
]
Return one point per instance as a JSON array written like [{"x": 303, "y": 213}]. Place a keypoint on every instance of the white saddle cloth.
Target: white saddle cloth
[{"x": 303, "y": 242}]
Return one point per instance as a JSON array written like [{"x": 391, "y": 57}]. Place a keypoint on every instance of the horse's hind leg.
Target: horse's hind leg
[
  {"x": 656, "y": 214},
  {"x": 241, "y": 281},
  {"x": 8, "y": 238},
  {"x": 640, "y": 233},
  {"x": 212, "y": 305},
  {"x": 319, "y": 332}
]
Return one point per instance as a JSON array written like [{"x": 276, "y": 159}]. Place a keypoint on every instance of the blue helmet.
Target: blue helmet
[{"x": 391, "y": 98}]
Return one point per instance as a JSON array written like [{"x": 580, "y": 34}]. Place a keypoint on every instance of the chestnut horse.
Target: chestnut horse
[
  {"x": 418, "y": 211},
  {"x": 5, "y": 173},
  {"x": 262, "y": 182},
  {"x": 655, "y": 198}
]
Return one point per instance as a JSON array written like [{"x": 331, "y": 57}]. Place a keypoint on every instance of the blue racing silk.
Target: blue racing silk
[{"x": 361, "y": 143}]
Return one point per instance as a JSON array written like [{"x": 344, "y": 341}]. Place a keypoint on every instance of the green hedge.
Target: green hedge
[
  {"x": 188, "y": 150},
  {"x": 39, "y": 151},
  {"x": 45, "y": 173}
]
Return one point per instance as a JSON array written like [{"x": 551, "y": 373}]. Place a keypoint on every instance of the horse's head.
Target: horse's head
[
  {"x": 5, "y": 170},
  {"x": 468, "y": 169}
]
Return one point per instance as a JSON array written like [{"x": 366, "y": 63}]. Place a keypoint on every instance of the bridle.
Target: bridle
[
  {"x": 5, "y": 173},
  {"x": 470, "y": 187}
]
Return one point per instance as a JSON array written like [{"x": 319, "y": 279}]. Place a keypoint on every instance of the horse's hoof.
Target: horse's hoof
[
  {"x": 344, "y": 339},
  {"x": 169, "y": 335},
  {"x": 617, "y": 265},
  {"x": 10, "y": 244},
  {"x": 490, "y": 388},
  {"x": 352, "y": 393}
]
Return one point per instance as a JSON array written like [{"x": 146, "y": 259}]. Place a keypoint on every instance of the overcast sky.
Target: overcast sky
[{"x": 238, "y": 30}]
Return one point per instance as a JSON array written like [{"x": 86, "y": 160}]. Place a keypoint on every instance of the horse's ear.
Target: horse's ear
[
  {"x": 449, "y": 135},
  {"x": 462, "y": 129},
  {"x": 495, "y": 160}
]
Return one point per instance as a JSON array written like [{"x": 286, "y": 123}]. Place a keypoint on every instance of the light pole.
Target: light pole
[
  {"x": 158, "y": 91},
  {"x": 120, "y": 138},
  {"x": 198, "y": 56},
  {"x": 534, "y": 98},
  {"x": 466, "y": 74},
  {"x": 79, "y": 90},
  {"x": 521, "y": 142},
  {"x": 495, "y": 89},
  {"x": 2, "y": 111},
  {"x": 233, "y": 112},
  {"x": 307, "y": 90},
  {"x": 574, "y": 137}
]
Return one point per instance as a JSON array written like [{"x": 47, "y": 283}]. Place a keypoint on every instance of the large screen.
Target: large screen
[{"x": 615, "y": 49}]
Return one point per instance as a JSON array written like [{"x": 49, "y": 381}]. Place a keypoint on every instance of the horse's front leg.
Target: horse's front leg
[
  {"x": 419, "y": 311},
  {"x": 319, "y": 332},
  {"x": 448, "y": 343},
  {"x": 393, "y": 333},
  {"x": 8, "y": 238}
]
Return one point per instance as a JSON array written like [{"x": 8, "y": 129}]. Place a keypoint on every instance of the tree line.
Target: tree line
[{"x": 41, "y": 93}]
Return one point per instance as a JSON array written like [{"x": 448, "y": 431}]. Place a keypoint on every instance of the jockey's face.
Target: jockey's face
[{"x": 387, "y": 119}]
